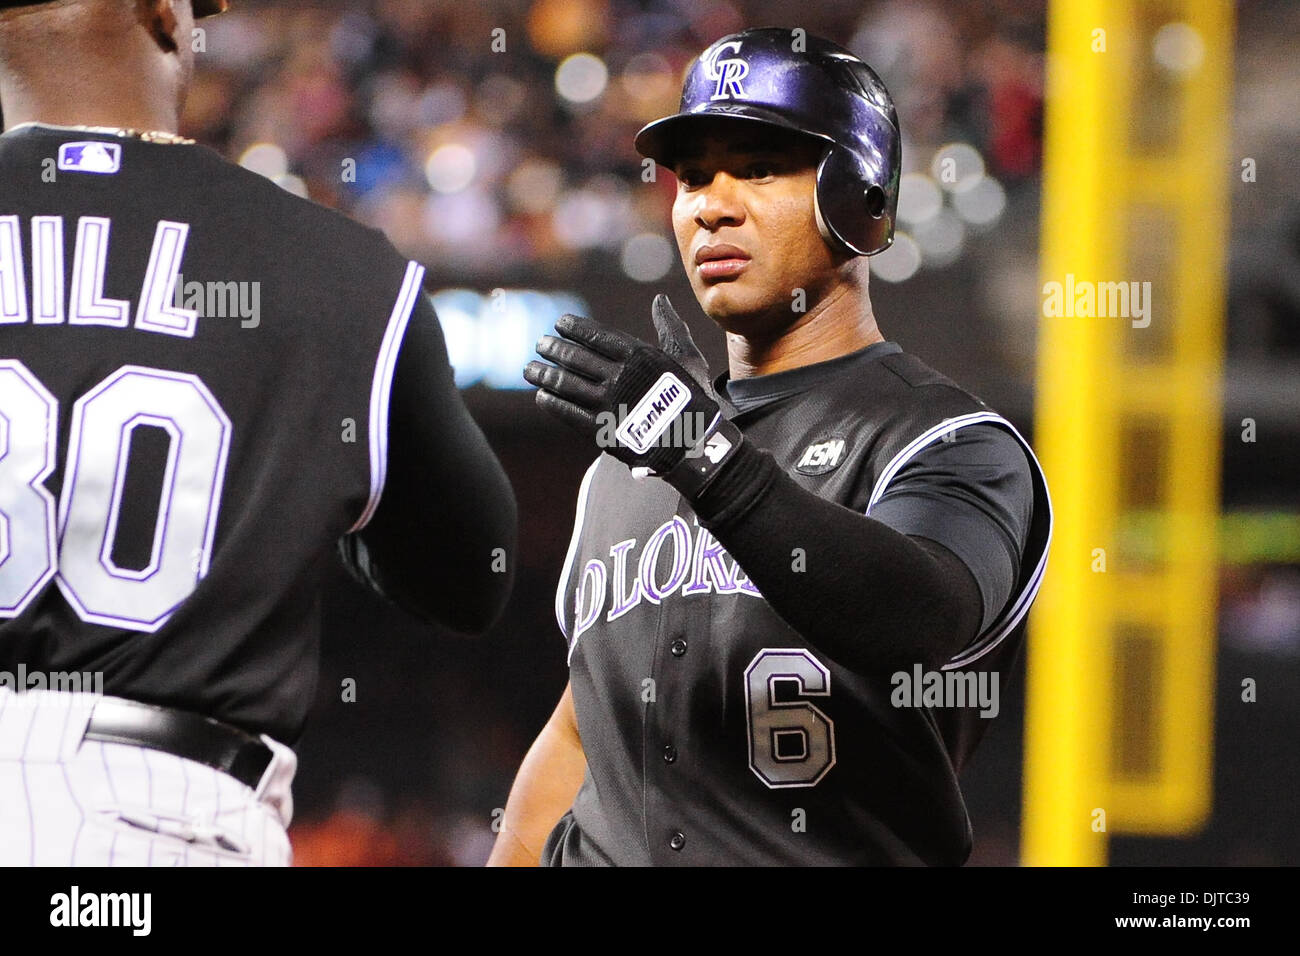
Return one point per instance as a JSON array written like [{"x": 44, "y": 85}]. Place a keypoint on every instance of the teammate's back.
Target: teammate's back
[
  {"x": 207, "y": 386},
  {"x": 203, "y": 465}
]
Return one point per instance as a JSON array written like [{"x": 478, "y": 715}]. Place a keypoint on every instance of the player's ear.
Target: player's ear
[{"x": 162, "y": 18}]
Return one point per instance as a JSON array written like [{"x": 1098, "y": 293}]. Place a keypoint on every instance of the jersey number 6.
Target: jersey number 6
[
  {"x": 791, "y": 742},
  {"x": 83, "y": 532}
]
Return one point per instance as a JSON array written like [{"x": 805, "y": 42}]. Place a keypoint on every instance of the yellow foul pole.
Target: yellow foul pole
[{"x": 1134, "y": 232}]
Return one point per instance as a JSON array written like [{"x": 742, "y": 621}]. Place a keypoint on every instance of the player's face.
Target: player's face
[{"x": 746, "y": 227}]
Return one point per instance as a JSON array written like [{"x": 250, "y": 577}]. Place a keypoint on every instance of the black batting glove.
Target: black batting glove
[{"x": 635, "y": 401}]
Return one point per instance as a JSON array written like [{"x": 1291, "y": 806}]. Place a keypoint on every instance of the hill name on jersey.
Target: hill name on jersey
[{"x": 85, "y": 303}]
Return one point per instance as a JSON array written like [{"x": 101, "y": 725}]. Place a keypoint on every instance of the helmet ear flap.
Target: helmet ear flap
[{"x": 853, "y": 210}]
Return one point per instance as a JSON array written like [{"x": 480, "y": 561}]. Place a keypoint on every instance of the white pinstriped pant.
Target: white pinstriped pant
[{"x": 68, "y": 803}]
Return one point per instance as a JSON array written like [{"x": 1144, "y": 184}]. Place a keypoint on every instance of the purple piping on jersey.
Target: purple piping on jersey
[
  {"x": 1026, "y": 598},
  {"x": 1012, "y": 616},
  {"x": 583, "y": 490},
  {"x": 382, "y": 387}
]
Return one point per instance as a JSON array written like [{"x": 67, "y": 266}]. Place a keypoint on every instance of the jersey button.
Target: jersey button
[
  {"x": 670, "y": 753},
  {"x": 678, "y": 841},
  {"x": 678, "y": 647}
]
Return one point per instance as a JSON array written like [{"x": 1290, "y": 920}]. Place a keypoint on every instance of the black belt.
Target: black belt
[{"x": 181, "y": 734}]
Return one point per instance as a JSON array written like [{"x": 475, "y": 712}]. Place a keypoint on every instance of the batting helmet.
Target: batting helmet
[
  {"x": 202, "y": 8},
  {"x": 803, "y": 83}
]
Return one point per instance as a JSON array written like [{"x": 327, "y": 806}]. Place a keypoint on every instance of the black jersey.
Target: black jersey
[
  {"x": 714, "y": 733},
  {"x": 195, "y": 369}
]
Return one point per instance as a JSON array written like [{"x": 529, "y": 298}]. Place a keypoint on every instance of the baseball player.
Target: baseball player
[
  {"x": 758, "y": 559},
  {"x": 174, "y": 480}
]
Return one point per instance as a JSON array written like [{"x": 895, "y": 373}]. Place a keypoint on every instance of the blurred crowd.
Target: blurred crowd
[{"x": 498, "y": 134}]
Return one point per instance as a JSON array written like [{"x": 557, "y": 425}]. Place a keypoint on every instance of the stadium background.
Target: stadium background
[{"x": 492, "y": 141}]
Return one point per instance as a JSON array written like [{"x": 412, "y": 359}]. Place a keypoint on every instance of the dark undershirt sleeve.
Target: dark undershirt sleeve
[
  {"x": 974, "y": 496},
  {"x": 447, "y": 504},
  {"x": 870, "y": 597}
]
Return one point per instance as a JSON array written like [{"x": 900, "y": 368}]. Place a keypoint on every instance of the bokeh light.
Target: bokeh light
[
  {"x": 919, "y": 198},
  {"x": 957, "y": 167},
  {"x": 581, "y": 78},
  {"x": 648, "y": 257},
  {"x": 899, "y": 262},
  {"x": 1178, "y": 48},
  {"x": 533, "y": 186},
  {"x": 940, "y": 238},
  {"x": 983, "y": 203},
  {"x": 450, "y": 168}
]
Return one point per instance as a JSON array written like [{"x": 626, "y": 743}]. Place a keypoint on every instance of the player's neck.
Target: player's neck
[
  {"x": 92, "y": 104},
  {"x": 837, "y": 325}
]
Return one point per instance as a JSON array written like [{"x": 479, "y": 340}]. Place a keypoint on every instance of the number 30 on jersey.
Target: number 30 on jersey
[{"x": 72, "y": 540}]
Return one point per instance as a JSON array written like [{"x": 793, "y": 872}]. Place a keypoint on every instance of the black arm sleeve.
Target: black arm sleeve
[
  {"x": 974, "y": 495},
  {"x": 870, "y": 598},
  {"x": 447, "y": 505}
]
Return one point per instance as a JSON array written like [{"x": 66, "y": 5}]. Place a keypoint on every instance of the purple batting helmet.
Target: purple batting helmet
[{"x": 788, "y": 79}]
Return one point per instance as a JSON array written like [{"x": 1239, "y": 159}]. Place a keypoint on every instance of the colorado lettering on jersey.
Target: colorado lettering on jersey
[
  {"x": 86, "y": 304},
  {"x": 698, "y": 565}
]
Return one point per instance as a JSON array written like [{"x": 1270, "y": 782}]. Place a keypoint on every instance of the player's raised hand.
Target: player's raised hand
[
  {"x": 677, "y": 342},
  {"x": 633, "y": 400}
]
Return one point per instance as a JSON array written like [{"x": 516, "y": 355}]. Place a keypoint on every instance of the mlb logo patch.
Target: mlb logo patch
[{"x": 104, "y": 159}]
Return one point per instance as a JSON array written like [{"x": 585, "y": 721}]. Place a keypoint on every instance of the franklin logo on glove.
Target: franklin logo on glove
[{"x": 651, "y": 416}]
